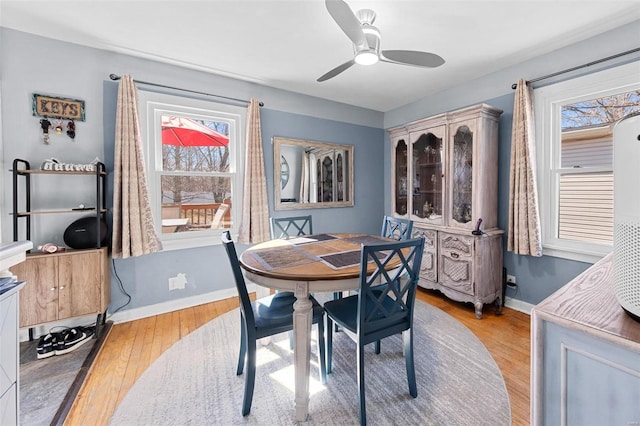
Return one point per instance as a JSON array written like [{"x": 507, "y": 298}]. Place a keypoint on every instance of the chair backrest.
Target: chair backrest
[
  {"x": 217, "y": 218},
  {"x": 388, "y": 269},
  {"x": 285, "y": 227},
  {"x": 396, "y": 228},
  {"x": 241, "y": 286}
]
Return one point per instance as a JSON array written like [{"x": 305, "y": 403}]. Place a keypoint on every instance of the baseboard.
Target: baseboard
[{"x": 518, "y": 305}]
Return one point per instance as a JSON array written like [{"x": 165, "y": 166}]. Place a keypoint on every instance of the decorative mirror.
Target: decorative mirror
[{"x": 309, "y": 174}]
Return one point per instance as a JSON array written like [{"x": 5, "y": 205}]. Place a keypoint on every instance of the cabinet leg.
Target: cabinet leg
[
  {"x": 498, "y": 303},
  {"x": 31, "y": 334},
  {"x": 478, "y": 305}
]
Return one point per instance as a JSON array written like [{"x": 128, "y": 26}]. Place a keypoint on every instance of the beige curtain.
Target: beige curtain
[
  {"x": 524, "y": 220},
  {"x": 133, "y": 230},
  {"x": 304, "y": 178},
  {"x": 254, "y": 227}
]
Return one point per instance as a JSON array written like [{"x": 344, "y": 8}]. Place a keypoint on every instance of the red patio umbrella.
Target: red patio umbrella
[{"x": 181, "y": 131}]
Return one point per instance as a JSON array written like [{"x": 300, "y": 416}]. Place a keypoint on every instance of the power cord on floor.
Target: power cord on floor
[{"x": 115, "y": 273}]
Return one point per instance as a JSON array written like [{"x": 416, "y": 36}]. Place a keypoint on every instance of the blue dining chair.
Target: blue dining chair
[
  {"x": 383, "y": 306},
  {"x": 286, "y": 227},
  {"x": 392, "y": 227},
  {"x": 265, "y": 317},
  {"x": 396, "y": 228}
]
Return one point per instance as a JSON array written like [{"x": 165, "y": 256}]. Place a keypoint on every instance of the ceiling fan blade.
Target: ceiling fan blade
[
  {"x": 347, "y": 21},
  {"x": 337, "y": 70},
  {"x": 412, "y": 57}
]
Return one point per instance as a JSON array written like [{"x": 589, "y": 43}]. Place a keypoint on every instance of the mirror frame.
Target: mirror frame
[{"x": 278, "y": 204}]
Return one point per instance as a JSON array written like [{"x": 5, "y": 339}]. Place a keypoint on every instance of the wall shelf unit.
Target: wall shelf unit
[{"x": 67, "y": 283}]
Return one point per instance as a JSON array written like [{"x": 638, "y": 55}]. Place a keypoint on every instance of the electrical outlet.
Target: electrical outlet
[
  {"x": 511, "y": 280},
  {"x": 178, "y": 282}
]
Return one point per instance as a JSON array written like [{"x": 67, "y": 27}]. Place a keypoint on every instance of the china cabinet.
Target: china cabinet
[{"x": 444, "y": 178}]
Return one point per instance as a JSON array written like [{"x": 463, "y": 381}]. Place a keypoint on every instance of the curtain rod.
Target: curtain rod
[
  {"x": 514, "y": 85},
  {"x": 116, "y": 77}
]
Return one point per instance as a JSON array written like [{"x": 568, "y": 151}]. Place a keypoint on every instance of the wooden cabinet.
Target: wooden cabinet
[
  {"x": 63, "y": 285},
  {"x": 585, "y": 354},
  {"x": 444, "y": 178}
]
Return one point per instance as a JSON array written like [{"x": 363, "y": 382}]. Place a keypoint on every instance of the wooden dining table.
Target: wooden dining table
[{"x": 303, "y": 265}]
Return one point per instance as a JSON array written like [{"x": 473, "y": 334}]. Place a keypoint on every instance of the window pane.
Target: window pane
[
  {"x": 600, "y": 111},
  {"x": 191, "y": 145},
  {"x": 587, "y": 139},
  {"x": 197, "y": 199},
  {"x": 586, "y": 207}
]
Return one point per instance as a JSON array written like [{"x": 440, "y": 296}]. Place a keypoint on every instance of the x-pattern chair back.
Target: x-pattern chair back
[
  {"x": 396, "y": 228},
  {"x": 285, "y": 227},
  {"x": 387, "y": 296}
]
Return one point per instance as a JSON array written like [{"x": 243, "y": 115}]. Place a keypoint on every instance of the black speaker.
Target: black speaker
[{"x": 81, "y": 234}]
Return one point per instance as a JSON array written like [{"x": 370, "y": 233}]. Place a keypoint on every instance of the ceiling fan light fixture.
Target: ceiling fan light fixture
[
  {"x": 371, "y": 54},
  {"x": 367, "y": 57}
]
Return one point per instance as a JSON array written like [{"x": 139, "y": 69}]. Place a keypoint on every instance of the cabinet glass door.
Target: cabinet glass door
[
  {"x": 426, "y": 175},
  {"x": 462, "y": 175},
  {"x": 400, "y": 178}
]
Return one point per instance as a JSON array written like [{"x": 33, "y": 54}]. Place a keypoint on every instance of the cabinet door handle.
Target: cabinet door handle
[
  {"x": 455, "y": 255},
  {"x": 53, "y": 289},
  {"x": 61, "y": 287}
]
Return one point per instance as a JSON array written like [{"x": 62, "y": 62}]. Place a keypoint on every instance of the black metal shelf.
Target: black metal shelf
[{"x": 22, "y": 169}]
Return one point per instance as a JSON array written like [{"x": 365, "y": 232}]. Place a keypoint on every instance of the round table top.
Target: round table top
[{"x": 318, "y": 257}]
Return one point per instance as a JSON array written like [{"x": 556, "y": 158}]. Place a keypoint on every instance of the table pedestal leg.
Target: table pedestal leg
[{"x": 302, "y": 316}]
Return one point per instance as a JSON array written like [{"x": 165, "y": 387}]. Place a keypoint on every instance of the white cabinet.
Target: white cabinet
[
  {"x": 445, "y": 179},
  {"x": 10, "y": 254},
  {"x": 9, "y": 357},
  {"x": 585, "y": 355}
]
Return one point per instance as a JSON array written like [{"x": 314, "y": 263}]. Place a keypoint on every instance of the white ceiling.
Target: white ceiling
[{"x": 289, "y": 44}]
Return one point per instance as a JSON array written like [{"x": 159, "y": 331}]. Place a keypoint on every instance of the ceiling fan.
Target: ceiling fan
[{"x": 366, "y": 42}]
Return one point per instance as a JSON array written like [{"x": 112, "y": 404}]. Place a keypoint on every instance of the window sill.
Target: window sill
[
  {"x": 586, "y": 256},
  {"x": 204, "y": 239}
]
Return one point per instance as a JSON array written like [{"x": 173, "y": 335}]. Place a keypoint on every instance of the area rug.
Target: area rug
[{"x": 194, "y": 381}]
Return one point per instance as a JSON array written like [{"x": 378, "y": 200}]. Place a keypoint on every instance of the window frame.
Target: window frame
[
  {"x": 548, "y": 102},
  {"x": 152, "y": 106}
]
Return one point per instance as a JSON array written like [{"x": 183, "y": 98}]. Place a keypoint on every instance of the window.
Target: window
[
  {"x": 194, "y": 160},
  {"x": 574, "y": 129}
]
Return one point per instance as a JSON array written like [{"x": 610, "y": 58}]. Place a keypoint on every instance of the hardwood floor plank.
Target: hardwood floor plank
[{"x": 132, "y": 347}]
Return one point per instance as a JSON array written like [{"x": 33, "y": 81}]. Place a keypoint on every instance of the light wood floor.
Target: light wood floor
[{"x": 132, "y": 347}]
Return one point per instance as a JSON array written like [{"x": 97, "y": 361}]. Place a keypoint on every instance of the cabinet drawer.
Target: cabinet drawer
[
  {"x": 456, "y": 245},
  {"x": 8, "y": 342}
]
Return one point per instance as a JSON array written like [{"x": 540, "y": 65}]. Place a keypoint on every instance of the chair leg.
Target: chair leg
[
  {"x": 407, "y": 340},
  {"x": 321, "y": 352},
  {"x": 329, "y": 329},
  {"x": 243, "y": 345},
  {"x": 250, "y": 376},
  {"x": 337, "y": 295},
  {"x": 291, "y": 339},
  {"x": 363, "y": 410}
]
